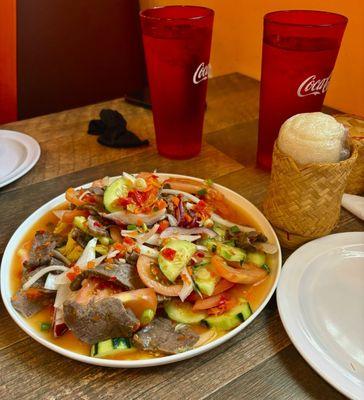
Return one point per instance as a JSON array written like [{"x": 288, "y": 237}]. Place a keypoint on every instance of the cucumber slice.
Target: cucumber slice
[
  {"x": 184, "y": 251},
  {"x": 257, "y": 258},
  {"x": 231, "y": 319},
  {"x": 230, "y": 253},
  {"x": 111, "y": 347},
  {"x": 119, "y": 188},
  {"x": 205, "y": 280},
  {"x": 183, "y": 313}
]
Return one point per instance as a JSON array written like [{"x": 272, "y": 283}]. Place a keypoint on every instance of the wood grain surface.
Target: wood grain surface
[{"x": 259, "y": 363}]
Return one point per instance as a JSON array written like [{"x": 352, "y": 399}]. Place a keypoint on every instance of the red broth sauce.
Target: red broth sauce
[{"x": 254, "y": 294}]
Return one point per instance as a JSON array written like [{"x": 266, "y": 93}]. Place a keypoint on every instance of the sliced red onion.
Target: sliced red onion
[
  {"x": 59, "y": 325},
  {"x": 185, "y": 194},
  {"x": 268, "y": 248},
  {"x": 50, "y": 282},
  {"x": 187, "y": 287},
  {"x": 42, "y": 272},
  {"x": 148, "y": 251},
  {"x": 155, "y": 240},
  {"x": 84, "y": 194},
  {"x": 147, "y": 235},
  {"x": 63, "y": 293},
  {"x": 112, "y": 253},
  {"x": 229, "y": 224},
  {"x": 127, "y": 218},
  {"x": 89, "y": 254},
  {"x": 172, "y": 220},
  {"x": 59, "y": 213},
  {"x": 173, "y": 231},
  {"x": 190, "y": 238}
]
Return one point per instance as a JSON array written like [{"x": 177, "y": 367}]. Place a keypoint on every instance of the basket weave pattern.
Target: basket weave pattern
[
  {"x": 303, "y": 202},
  {"x": 355, "y": 184}
]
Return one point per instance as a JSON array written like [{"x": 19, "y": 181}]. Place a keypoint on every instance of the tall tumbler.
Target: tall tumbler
[
  {"x": 299, "y": 53},
  {"x": 177, "y": 42}
]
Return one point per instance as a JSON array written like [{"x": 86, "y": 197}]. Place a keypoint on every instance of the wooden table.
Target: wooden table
[{"x": 258, "y": 363}]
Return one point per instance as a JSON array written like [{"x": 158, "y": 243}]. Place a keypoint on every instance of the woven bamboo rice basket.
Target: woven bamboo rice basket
[
  {"x": 303, "y": 201},
  {"x": 355, "y": 184}
]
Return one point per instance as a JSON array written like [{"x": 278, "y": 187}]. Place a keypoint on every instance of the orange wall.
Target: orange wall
[
  {"x": 8, "y": 95},
  {"x": 238, "y": 36}
]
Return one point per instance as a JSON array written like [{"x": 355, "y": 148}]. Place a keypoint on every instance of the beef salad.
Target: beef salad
[{"x": 142, "y": 265}]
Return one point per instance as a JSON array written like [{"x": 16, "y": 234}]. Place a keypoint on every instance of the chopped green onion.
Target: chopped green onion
[
  {"x": 266, "y": 267},
  {"x": 147, "y": 316},
  {"x": 144, "y": 227},
  {"x": 234, "y": 229},
  {"x": 202, "y": 192},
  {"x": 45, "y": 326},
  {"x": 209, "y": 182},
  {"x": 131, "y": 227}
]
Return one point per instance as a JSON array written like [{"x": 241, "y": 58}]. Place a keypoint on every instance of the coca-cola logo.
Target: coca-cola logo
[
  {"x": 201, "y": 73},
  {"x": 314, "y": 86}
]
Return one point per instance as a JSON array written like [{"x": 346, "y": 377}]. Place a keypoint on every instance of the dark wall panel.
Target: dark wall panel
[{"x": 76, "y": 52}]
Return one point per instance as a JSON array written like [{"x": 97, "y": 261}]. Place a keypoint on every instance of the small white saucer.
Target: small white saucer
[
  {"x": 320, "y": 299},
  {"x": 18, "y": 154}
]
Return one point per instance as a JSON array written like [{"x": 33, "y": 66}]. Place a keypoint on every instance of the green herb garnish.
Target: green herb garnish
[
  {"x": 131, "y": 227},
  {"x": 202, "y": 192},
  {"x": 234, "y": 229},
  {"x": 45, "y": 326},
  {"x": 266, "y": 267},
  {"x": 209, "y": 182}
]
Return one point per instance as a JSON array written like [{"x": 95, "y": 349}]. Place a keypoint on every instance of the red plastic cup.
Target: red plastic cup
[
  {"x": 299, "y": 54},
  {"x": 177, "y": 42}
]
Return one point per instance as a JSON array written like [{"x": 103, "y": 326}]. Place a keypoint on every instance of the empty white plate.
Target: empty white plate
[
  {"x": 18, "y": 154},
  {"x": 321, "y": 303}
]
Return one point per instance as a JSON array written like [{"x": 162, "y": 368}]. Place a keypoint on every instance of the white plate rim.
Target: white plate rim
[
  {"x": 33, "y": 150},
  {"x": 291, "y": 274},
  {"x": 22, "y": 229}
]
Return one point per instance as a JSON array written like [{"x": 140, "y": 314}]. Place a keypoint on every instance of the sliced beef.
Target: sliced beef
[
  {"x": 163, "y": 336},
  {"x": 124, "y": 275},
  {"x": 29, "y": 302},
  {"x": 42, "y": 247},
  {"x": 99, "y": 319},
  {"x": 80, "y": 237},
  {"x": 95, "y": 226},
  {"x": 132, "y": 258},
  {"x": 245, "y": 240}
]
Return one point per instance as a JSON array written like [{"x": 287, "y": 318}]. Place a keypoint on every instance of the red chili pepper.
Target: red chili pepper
[
  {"x": 129, "y": 241},
  {"x": 200, "y": 254},
  {"x": 200, "y": 206},
  {"x": 168, "y": 253},
  {"x": 124, "y": 201},
  {"x": 71, "y": 276}
]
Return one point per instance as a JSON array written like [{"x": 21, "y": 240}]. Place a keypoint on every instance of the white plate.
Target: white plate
[
  {"x": 18, "y": 154},
  {"x": 29, "y": 222},
  {"x": 321, "y": 303}
]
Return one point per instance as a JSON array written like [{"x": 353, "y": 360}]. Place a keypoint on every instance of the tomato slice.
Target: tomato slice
[
  {"x": 143, "y": 267},
  {"x": 68, "y": 216},
  {"x": 209, "y": 302},
  {"x": 248, "y": 273},
  {"x": 222, "y": 285},
  {"x": 139, "y": 300}
]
